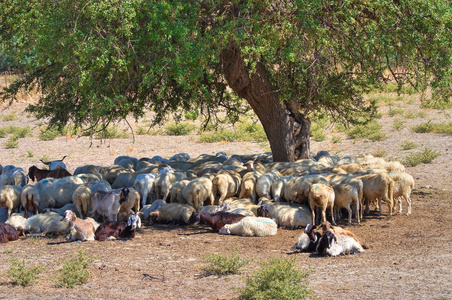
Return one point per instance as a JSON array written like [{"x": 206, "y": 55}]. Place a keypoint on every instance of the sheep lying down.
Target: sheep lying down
[{"x": 251, "y": 226}]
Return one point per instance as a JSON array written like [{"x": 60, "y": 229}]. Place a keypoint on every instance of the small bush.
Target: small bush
[
  {"x": 74, "y": 271},
  {"x": 336, "y": 139},
  {"x": 277, "y": 279},
  {"x": 30, "y": 154},
  {"x": 407, "y": 145},
  {"x": 425, "y": 156},
  {"x": 21, "y": 274},
  {"x": 251, "y": 132},
  {"x": 218, "y": 136},
  {"x": 370, "y": 131},
  {"x": 398, "y": 124},
  {"x": 112, "y": 132},
  {"x": 430, "y": 127},
  {"x": 379, "y": 152},
  {"x": 220, "y": 264},
  {"x": 49, "y": 134},
  {"x": 12, "y": 142},
  {"x": 395, "y": 111},
  {"x": 19, "y": 131},
  {"x": 10, "y": 117},
  {"x": 183, "y": 128}
]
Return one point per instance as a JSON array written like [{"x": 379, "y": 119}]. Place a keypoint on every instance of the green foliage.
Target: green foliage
[
  {"x": 221, "y": 264},
  {"x": 49, "y": 133},
  {"x": 398, "y": 124},
  {"x": 369, "y": 131},
  {"x": 278, "y": 278},
  {"x": 218, "y": 136},
  {"x": 147, "y": 130},
  {"x": 250, "y": 131},
  {"x": 112, "y": 132},
  {"x": 425, "y": 156},
  {"x": 15, "y": 130},
  {"x": 30, "y": 154},
  {"x": 21, "y": 274},
  {"x": 318, "y": 129},
  {"x": 75, "y": 270},
  {"x": 10, "y": 117},
  {"x": 430, "y": 127},
  {"x": 336, "y": 139},
  {"x": 395, "y": 111},
  {"x": 12, "y": 142},
  {"x": 182, "y": 128},
  {"x": 407, "y": 145},
  {"x": 379, "y": 152}
]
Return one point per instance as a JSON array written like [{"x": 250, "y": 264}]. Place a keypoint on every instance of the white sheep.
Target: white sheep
[
  {"x": 10, "y": 197},
  {"x": 58, "y": 194},
  {"x": 80, "y": 229},
  {"x": 251, "y": 226},
  {"x": 198, "y": 191},
  {"x": 226, "y": 184},
  {"x": 287, "y": 216},
  {"x": 164, "y": 181},
  {"x": 321, "y": 195},
  {"x": 144, "y": 184},
  {"x": 404, "y": 184},
  {"x": 264, "y": 183},
  {"x": 297, "y": 190},
  {"x": 378, "y": 186},
  {"x": 81, "y": 198},
  {"x": 176, "y": 191},
  {"x": 29, "y": 198},
  {"x": 7, "y": 179},
  {"x": 173, "y": 213},
  {"x": 348, "y": 194},
  {"x": 248, "y": 186},
  {"x": 146, "y": 210},
  {"x": 125, "y": 179},
  {"x": 277, "y": 187},
  {"x": 48, "y": 223}
]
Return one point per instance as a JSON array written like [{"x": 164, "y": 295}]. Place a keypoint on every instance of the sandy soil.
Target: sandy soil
[{"x": 408, "y": 257}]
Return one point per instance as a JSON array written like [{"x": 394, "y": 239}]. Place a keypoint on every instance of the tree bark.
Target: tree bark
[{"x": 287, "y": 129}]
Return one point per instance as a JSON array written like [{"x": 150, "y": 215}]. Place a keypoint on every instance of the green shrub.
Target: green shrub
[
  {"x": 276, "y": 279},
  {"x": 19, "y": 131},
  {"x": 336, "y": 139},
  {"x": 10, "y": 117},
  {"x": 425, "y": 156},
  {"x": 218, "y": 136},
  {"x": 398, "y": 124},
  {"x": 182, "y": 128},
  {"x": 407, "y": 145},
  {"x": 251, "y": 132},
  {"x": 430, "y": 127},
  {"x": 395, "y": 111},
  {"x": 21, "y": 274},
  {"x": 49, "y": 134},
  {"x": 370, "y": 131},
  {"x": 30, "y": 154},
  {"x": 112, "y": 132},
  {"x": 75, "y": 270},
  {"x": 12, "y": 142},
  {"x": 221, "y": 264},
  {"x": 379, "y": 152}
]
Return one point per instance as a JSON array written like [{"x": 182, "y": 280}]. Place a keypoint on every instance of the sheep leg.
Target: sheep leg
[
  {"x": 26, "y": 211},
  {"x": 36, "y": 208},
  {"x": 312, "y": 206},
  {"x": 408, "y": 201},
  {"x": 332, "y": 215},
  {"x": 350, "y": 215}
]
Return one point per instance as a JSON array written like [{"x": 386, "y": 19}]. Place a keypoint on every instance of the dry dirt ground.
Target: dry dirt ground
[{"x": 408, "y": 257}]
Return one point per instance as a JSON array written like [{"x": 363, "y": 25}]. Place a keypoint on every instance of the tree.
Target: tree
[{"x": 98, "y": 61}]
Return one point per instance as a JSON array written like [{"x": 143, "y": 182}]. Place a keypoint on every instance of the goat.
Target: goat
[
  {"x": 108, "y": 203},
  {"x": 8, "y": 233},
  {"x": 337, "y": 244},
  {"x": 80, "y": 229},
  {"x": 55, "y": 164},
  {"x": 118, "y": 229},
  {"x": 308, "y": 240},
  {"x": 219, "y": 219},
  {"x": 37, "y": 174}
]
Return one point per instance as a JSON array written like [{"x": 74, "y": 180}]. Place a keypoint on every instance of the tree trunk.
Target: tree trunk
[{"x": 287, "y": 130}]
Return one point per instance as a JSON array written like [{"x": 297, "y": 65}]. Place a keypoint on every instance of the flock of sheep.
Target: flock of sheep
[{"x": 248, "y": 195}]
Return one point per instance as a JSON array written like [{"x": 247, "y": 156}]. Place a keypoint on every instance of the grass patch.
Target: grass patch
[
  {"x": 251, "y": 132},
  {"x": 407, "y": 145},
  {"x": 182, "y": 128},
  {"x": 218, "y": 136},
  {"x": 220, "y": 264},
  {"x": 425, "y": 156},
  {"x": 430, "y": 127},
  {"x": 19, "y": 131},
  {"x": 21, "y": 274},
  {"x": 369, "y": 131},
  {"x": 147, "y": 130},
  {"x": 336, "y": 139},
  {"x": 395, "y": 111},
  {"x": 75, "y": 270},
  {"x": 379, "y": 152},
  {"x": 112, "y": 132},
  {"x": 398, "y": 124},
  {"x": 10, "y": 117},
  {"x": 49, "y": 134},
  {"x": 278, "y": 278},
  {"x": 318, "y": 129},
  {"x": 12, "y": 142}
]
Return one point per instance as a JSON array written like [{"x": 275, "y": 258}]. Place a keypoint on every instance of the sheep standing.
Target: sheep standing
[
  {"x": 226, "y": 184},
  {"x": 176, "y": 190},
  {"x": 248, "y": 186},
  {"x": 144, "y": 184},
  {"x": 348, "y": 194},
  {"x": 321, "y": 195},
  {"x": 29, "y": 198},
  {"x": 198, "y": 191},
  {"x": 108, "y": 204},
  {"x": 404, "y": 184},
  {"x": 378, "y": 186},
  {"x": 164, "y": 181},
  {"x": 264, "y": 183},
  {"x": 10, "y": 197},
  {"x": 80, "y": 229},
  {"x": 82, "y": 200},
  {"x": 251, "y": 226}
]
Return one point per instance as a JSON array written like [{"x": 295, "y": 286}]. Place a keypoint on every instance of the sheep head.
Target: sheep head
[
  {"x": 31, "y": 172},
  {"x": 134, "y": 221},
  {"x": 224, "y": 230},
  {"x": 123, "y": 195},
  {"x": 69, "y": 216}
]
